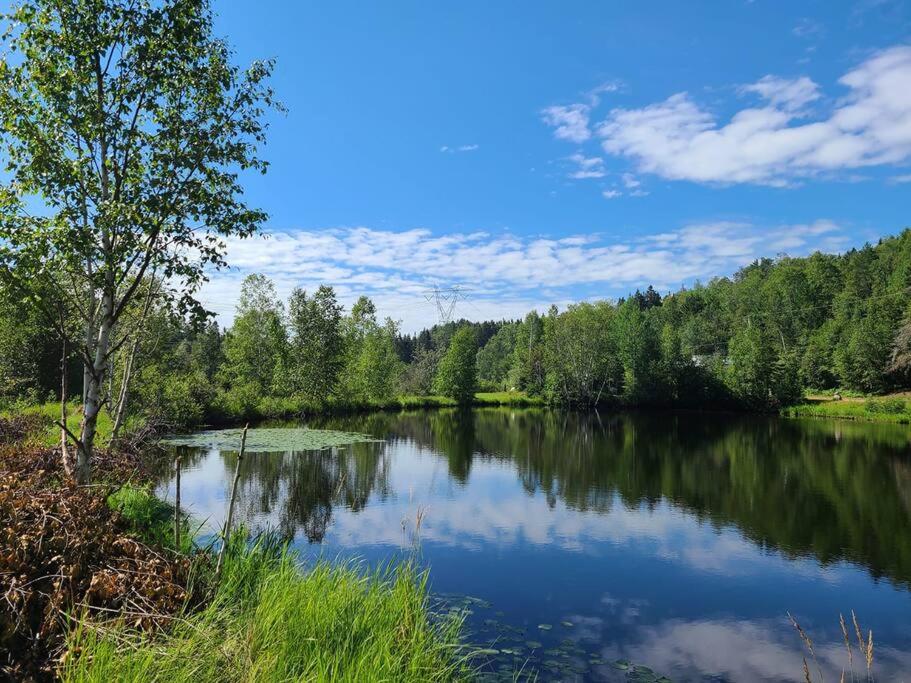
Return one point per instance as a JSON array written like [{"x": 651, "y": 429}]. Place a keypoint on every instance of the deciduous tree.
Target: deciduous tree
[{"x": 127, "y": 121}]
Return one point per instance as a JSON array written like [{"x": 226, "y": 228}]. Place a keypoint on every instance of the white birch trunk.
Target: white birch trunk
[{"x": 93, "y": 399}]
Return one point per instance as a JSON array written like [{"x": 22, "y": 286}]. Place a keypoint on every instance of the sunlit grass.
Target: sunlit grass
[
  {"x": 895, "y": 408},
  {"x": 291, "y": 407},
  {"x": 50, "y": 436},
  {"x": 508, "y": 398},
  {"x": 150, "y": 518},
  {"x": 271, "y": 621}
]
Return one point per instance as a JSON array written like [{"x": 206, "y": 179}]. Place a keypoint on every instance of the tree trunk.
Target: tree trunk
[
  {"x": 123, "y": 398},
  {"x": 93, "y": 399},
  {"x": 64, "y": 449}
]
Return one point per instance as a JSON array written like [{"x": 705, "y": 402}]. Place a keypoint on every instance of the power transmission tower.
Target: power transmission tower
[{"x": 445, "y": 300}]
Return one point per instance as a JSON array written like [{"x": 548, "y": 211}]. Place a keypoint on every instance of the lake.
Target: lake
[{"x": 588, "y": 546}]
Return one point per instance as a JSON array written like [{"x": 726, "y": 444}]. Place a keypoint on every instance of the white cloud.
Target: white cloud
[
  {"x": 570, "y": 121},
  {"x": 772, "y": 144},
  {"x": 506, "y": 275},
  {"x": 755, "y": 650},
  {"x": 788, "y": 94},
  {"x": 586, "y": 167},
  {"x": 901, "y": 178},
  {"x": 612, "y": 194},
  {"x": 807, "y": 28},
  {"x": 594, "y": 95},
  {"x": 630, "y": 181},
  {"x": 460, "y": 148}
]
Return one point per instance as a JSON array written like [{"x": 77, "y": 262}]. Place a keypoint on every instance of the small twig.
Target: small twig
[
  {"x": 75, "y": 438},
  {"x": 227, "y": 529}
]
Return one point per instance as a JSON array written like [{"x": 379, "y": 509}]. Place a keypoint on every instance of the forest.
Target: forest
[{"x": 777, "y": 329}]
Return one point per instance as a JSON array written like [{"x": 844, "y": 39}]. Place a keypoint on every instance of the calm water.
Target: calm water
[{"x": 678, "y": 542}]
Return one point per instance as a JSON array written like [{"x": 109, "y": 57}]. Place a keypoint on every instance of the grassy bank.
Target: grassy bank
[
  {"x": 894, "y": 408},
  {"x": 50, "y": 413},
  {"x": 290, "y": 408},
  {"x": 263, "y": 408},
  {"x": 132, "y": 607},
  {"x": 269, "y": 621}
]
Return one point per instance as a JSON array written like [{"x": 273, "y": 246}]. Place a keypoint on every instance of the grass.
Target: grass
[
  {"x": 270, "y": 621},
  {"x": 894, "y": 408},
  {"x": 863, "y": 654},
  {"x": 150, "y": 518},
  {"x": 291, "y": 407},
  {"x": 51, "y": 411}
]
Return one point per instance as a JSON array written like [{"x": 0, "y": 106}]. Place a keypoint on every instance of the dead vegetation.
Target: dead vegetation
[{"x": 63, "y": 551}]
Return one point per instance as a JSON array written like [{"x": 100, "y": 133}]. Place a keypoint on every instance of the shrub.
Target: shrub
[{"x": 886, "y": 406}]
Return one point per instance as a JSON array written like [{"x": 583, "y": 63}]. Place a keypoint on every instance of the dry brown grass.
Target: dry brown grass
[{"x": 864, "y": 645}]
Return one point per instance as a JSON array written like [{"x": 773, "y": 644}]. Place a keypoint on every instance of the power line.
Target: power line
[{"x": 445, "y": 300}]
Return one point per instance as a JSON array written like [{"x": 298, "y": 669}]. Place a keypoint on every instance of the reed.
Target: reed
[{"x": 865, "y": 645}]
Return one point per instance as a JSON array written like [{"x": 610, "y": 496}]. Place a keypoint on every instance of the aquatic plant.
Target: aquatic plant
[{"x": 269, "y": 439}]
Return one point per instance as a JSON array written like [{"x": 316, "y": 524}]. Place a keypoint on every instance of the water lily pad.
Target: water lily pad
[
  {"x": 568, "y": 624},
  {"x": 269, "y": 439},
  {"x": 545, "y": 627},
  {"x": 533, "y": 644},
  {"x": 621, "y": 664}
]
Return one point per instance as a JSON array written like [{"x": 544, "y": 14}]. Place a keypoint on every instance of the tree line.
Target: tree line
[
  {"x": 125, "y": 130},
  {"x": 757, "y": 340}
]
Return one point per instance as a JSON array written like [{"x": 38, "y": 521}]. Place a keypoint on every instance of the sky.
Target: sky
[{"x": 533, "y": 153}]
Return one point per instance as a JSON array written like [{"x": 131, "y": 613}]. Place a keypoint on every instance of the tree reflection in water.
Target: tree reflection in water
[{"x": 829, "y": 490}]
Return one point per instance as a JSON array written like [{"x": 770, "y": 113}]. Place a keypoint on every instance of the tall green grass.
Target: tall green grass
[
  {"x": 270, "y": 621},
  {"x": 50, "y": 435},
  {"x": 151, "y": 518},
  {"x": 892, "y": 409}
]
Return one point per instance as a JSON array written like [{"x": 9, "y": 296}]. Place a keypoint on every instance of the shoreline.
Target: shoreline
[{"x": 122, "y": 602}]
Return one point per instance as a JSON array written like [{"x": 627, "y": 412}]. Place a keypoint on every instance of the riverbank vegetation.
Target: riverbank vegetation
[
  {"x": 269, "y": 621},
  {"x": 890, "y": 408},
  {"x": 96, "y": 591}
]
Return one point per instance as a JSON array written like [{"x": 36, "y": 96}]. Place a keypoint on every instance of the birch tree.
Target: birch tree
[{"x": 125, "y": 129}]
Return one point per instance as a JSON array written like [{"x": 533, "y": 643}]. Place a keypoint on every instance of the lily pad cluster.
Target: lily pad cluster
[{"x": 270, "y": 439}]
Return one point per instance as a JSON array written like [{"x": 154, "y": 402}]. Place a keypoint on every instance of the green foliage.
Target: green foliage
[
  {"x": 271, "y": 621},
  {"x": 149, "y": 517},
  {"x": 417, "y": 378},
  {"x": 581, "y": 360},
  {"x": 888, "y": 406},
  {"x": 457, "y": 375},
  {"x": 317, "y": 352},
  {"x": 756, "y": 341},
  {"x": 527, "y": 372},
  {"x": 159, "y": 124},
  {"x": 495, "y": 357},
  {"x": 375, "y": 367},
  {"x": 872, "y": 409},
  {"x": 256, "y": 346}
]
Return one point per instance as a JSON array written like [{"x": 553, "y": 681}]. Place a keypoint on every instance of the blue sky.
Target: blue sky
[{"x": 540, "y": 152}]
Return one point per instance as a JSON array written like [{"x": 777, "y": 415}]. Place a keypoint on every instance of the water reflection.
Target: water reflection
[
  {"x": 833, "y": 490},
  {"x": 675, "y": 540}
]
